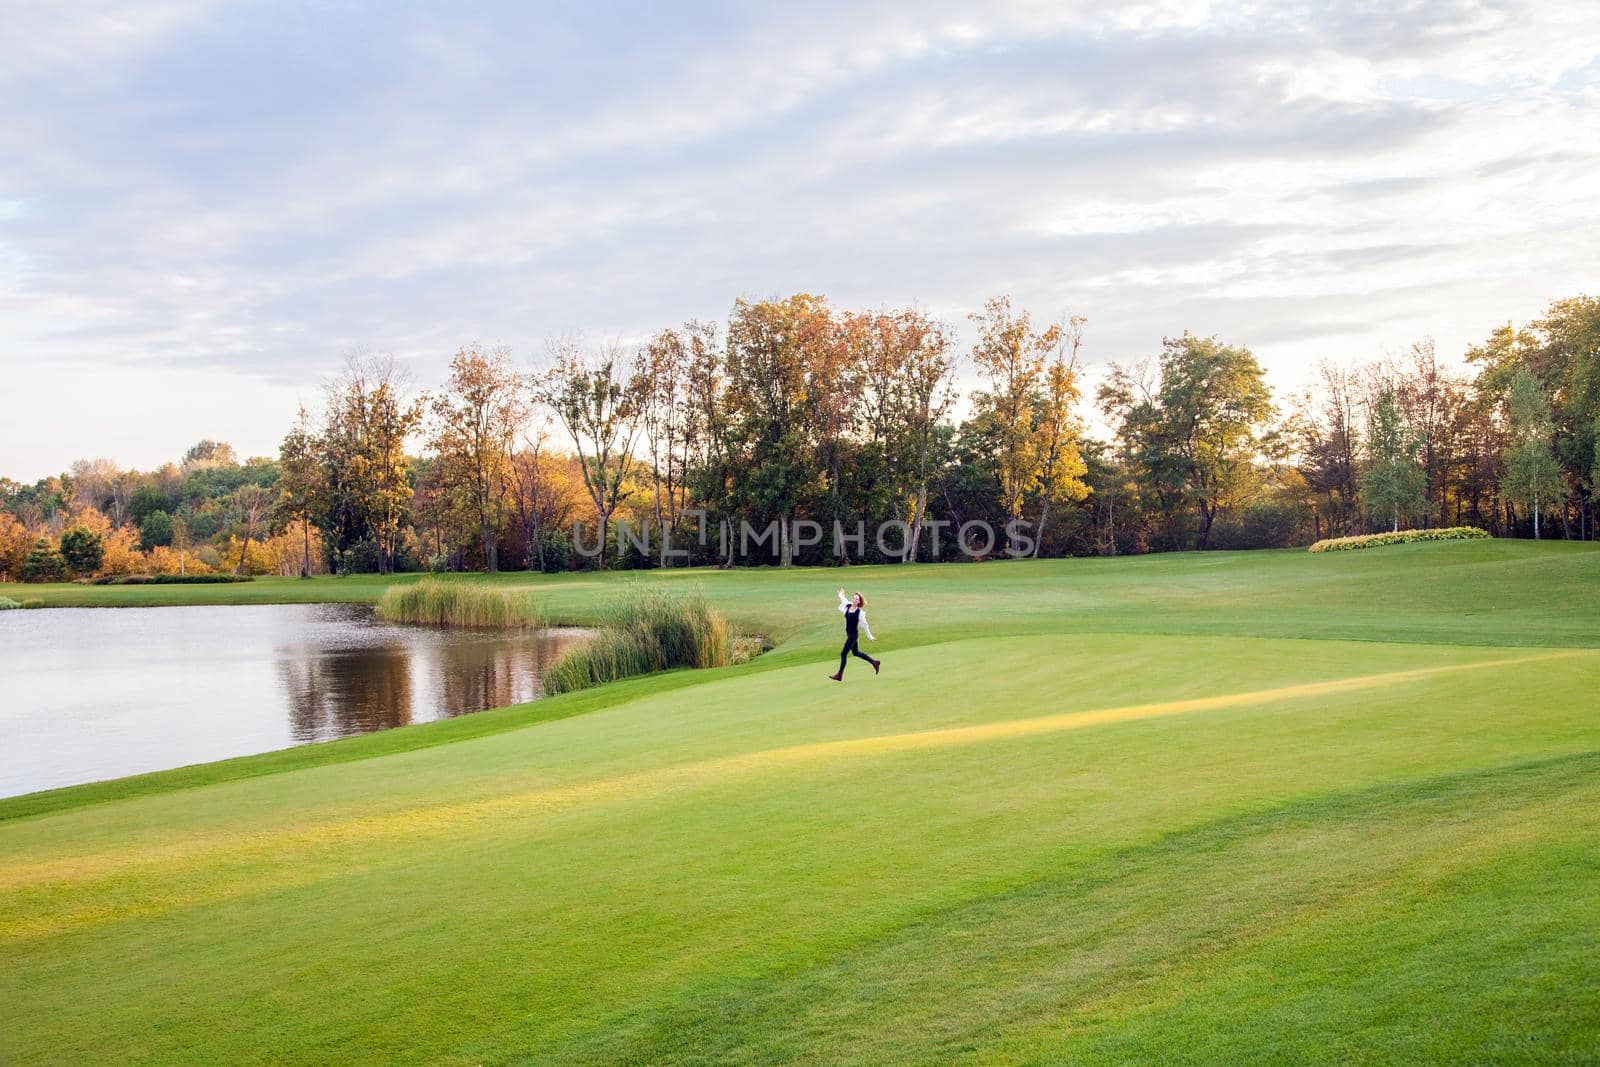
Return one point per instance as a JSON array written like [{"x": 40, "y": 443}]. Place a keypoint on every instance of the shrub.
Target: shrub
[
  {"x": 648, "y": 629},
  {"x": 171, "y": 579},
  {"x": 431, "y": 602},
  {"x": 7, "y": 604},
  {"x": 1268, "y": 524},
  {"x": 1403, "y": 537}
]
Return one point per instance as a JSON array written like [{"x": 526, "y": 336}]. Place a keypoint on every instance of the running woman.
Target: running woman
[{"x": 854, "y": 610}]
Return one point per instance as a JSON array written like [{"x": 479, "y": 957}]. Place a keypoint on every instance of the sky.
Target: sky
[{"x": 204, "y": 206}]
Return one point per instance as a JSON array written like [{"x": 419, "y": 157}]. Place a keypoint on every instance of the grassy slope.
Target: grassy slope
[{"x": 1237, "y": 806}]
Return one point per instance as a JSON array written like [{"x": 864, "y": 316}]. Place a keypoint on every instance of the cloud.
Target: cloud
[{"x": 241, "y": 194}]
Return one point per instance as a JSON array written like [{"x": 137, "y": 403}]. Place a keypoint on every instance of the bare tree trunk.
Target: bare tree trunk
[
  {"x": 917, "y": 511},
  {"x": 1044, "y": 517},
  {"x": 305, "y": 563}
]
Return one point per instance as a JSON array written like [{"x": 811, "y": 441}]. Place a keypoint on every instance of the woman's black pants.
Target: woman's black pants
[{"x": 850, "y": 649}]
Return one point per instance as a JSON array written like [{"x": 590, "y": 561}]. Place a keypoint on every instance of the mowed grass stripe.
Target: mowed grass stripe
[
  {"x": 1191, "y": 928},
  {"x": 443, "y": 820}
]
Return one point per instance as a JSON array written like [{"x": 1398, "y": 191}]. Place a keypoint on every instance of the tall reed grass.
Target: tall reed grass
[
  {"x": 648, "y": 629},
  {"x": 431, "y": 602}
]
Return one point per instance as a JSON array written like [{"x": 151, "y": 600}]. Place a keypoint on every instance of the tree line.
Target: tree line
[{"x": 794, "y": 413}]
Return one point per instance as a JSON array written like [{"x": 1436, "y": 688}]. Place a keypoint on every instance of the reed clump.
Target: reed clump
[
  {"x": 431, "y": 602},
  {"x": 648, "y": 629}
]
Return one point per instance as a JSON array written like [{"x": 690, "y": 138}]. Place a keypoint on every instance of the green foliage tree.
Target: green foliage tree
[
  {"x": 82, "y": 549},
  {"x": 301, "y": 482},
  {"x": 786, "y": 396},
  {"x": 1594, "y": 469},
  {"x": 1193, "y": 429},
  {"x": 155, "y": 531},
  {"x": 44, "y": 563},
  {"x": 147, "y": 499},
  {"x": 1394, "y": 486},
  {"x": 1533, "y": 477}
]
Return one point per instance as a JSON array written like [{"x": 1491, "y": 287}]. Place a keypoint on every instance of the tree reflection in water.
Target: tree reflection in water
[
  {"x": 91, "y": 693},
  {"x": 350, "y": 673}
]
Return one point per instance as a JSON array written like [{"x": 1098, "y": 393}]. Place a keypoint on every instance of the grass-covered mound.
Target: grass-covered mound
[
  {"x": 648, "y": 629},
  {"x": 432, "y": 602},
  {"x": 1401, "y": 537}
]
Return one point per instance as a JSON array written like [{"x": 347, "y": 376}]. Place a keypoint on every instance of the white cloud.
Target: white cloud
[{"x": 242, "y": 196}]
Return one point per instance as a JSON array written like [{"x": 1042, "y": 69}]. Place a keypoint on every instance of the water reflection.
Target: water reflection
[
  {"x": 347, "y": 673},
  {"x": 87, "y": 694}
]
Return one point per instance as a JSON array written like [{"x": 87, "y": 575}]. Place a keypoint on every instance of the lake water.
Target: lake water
[{"x": 94, "y": 693}]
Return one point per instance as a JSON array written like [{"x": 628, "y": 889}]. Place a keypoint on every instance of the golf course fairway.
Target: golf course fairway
[{"x": 1214, "y": 807}]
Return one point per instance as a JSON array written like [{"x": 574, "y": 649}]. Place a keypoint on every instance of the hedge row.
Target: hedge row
[
  {"x": 171, "y": 579},
  {"x": 1404, "y": 537}
]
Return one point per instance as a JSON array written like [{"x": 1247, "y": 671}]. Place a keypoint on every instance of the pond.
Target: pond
[{"x": 94, "y": 693}]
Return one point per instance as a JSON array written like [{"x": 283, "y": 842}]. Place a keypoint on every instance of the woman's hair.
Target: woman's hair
[{"x": 861, "y": 600}]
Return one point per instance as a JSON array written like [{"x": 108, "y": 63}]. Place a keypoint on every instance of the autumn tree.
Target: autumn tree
[
  {"x": 546, "y": 494},
  {"x": 662, "y": 369},
  {"x": 597, "y": 402},
  {"x": 475, "y": 424},
  {"x": 252, "y": 504},
  {"x": 1061, "y": 465},
  {"x": 209, "y": 454},
  {"x": 1010, "y": 356},
  {"x": 370, "y": 414},
  {"x": 14, "y": 544},
  {"x": 1328, "y": 429}
]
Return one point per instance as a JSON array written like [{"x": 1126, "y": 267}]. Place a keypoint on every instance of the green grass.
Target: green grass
[
  {"x": 1253, "y": 807},
  {"x": 431, "y": 602}
]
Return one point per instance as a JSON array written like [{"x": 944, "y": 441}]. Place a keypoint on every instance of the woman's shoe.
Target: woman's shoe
[
  {"x": 837, "y": 677},
  {"x": 876, "y": 664}
]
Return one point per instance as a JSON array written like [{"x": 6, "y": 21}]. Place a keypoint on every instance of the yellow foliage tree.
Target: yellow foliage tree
[{"x": 14, "y": 542}]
